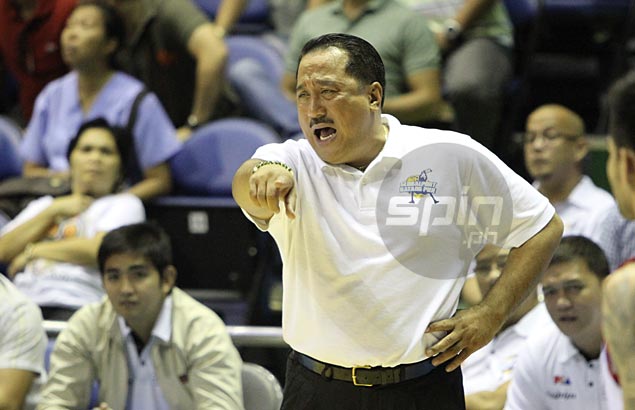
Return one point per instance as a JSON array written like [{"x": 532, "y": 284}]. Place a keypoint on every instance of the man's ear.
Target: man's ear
[
  {"x": 168, "y": 279},
  {"x": 375, "y": 95},
  {"x": 581, "y": 149}
]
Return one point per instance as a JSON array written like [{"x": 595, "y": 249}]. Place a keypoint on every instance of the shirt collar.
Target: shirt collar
[
  {"x": 578, "y": 197},
  {"x": 567, "y": 350},
  {"x": 162, "y": 329}
]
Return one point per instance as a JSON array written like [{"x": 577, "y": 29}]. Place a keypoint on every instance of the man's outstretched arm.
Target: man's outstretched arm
[{"x": 260, "y": 192}]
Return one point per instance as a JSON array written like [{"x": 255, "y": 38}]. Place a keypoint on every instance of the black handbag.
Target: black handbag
[{"x": 17, "y": 192}]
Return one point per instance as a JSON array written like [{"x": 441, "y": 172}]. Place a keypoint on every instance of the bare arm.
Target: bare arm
[
  {"x": 422, "y": 103},
  {"x": 31, "y": 169},
  {"x": 209, "y": 50},
  {"x": 14, "y": 386},
  {"x": 618, "y": 310},
  {"x": 157, "y": 181},
  {"x": 472, "y": 328},
  {"x": 260, "y": 193},
  {"x": 471, "y": 293},
  {"x": 228, "y": 13},
  {"x": 487, "y": 400},
  {"x": 33, "y": 230}
]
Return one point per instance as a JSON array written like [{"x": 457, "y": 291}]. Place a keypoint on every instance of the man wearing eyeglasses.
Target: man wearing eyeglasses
[{"x": 555, "y": 147}]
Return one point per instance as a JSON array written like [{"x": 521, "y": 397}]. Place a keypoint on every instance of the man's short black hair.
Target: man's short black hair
[
  {"x": 364, "y": 62},
  {"x": 573, "y": 248},
  {"x": 622, "y": 111},
  {"x": 145, "y": 239}
]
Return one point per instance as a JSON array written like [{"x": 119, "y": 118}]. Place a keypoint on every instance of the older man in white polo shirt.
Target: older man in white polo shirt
[{"x": 378, "y": 225}]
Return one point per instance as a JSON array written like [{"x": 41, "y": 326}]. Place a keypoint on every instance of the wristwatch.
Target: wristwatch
[
  {"x": 453, "y": 29},
  {"x": 192, "y": 122}
]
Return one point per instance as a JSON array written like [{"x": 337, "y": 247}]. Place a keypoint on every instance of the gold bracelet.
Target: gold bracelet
[{"x": 263, "y": 163}]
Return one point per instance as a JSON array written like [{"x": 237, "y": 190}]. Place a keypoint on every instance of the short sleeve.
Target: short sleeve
[
  {"x": 420, "y": 47},
  {"x": 155, "y": 136},
  {"x": 22, "y": 336},
  {"x": 32, "y": 147}
]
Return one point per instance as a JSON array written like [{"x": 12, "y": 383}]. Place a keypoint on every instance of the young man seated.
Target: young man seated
[
  {"x": 149, "y": 344},
  {"x": 559, "y": 368}
]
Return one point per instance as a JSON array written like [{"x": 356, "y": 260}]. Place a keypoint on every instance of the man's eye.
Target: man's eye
[{"x": 548, "y": 292}]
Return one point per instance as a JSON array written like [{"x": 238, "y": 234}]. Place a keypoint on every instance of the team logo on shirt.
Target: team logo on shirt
[
  {"x": 562, "y": 380},
  {"x": 444, "y": 201},
  {"x": 418, "y": 186}
]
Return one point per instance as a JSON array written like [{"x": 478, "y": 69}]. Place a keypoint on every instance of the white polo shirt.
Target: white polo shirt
[
  {"x": 491, "y": 366},
  {"x": 347, "y": 299},
  {"x": 551, "y": 374},
  {"x": 584, "y": 209}
]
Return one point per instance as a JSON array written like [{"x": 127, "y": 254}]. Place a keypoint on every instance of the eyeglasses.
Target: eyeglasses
[{"x": 548, "y": 134}]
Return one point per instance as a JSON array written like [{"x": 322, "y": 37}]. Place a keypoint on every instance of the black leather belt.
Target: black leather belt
[{"x": 366, "y": 375}]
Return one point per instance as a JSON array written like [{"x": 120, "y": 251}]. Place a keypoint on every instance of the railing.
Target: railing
[{"x": 242, "y": 336}]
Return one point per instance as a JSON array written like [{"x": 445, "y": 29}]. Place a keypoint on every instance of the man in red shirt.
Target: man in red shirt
[{"x": 29, "y": 44}]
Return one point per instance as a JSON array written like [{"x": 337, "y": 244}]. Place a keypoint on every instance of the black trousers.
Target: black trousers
[{"x": 306, "y": 390}]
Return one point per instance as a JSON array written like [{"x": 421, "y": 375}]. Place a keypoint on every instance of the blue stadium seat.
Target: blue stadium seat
[
  {"x": 244, "y": 46},
  {"x": 10, "y": 161},
  {"x": 207, "y": 163}
]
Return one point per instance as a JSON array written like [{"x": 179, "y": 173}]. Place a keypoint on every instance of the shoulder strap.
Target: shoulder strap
[
  {"x": 133, "y": 170},
  {"x": 135, "y": 109}
]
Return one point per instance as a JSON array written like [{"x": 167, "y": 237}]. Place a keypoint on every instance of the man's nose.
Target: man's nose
[
  {"x": 126, "y": 285},
  {"x": 316, "y": 108},
  {"x": 563, "y": 301}
]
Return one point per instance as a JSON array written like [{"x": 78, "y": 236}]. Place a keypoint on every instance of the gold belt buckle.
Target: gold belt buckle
[{"x": 354, "y": 376}]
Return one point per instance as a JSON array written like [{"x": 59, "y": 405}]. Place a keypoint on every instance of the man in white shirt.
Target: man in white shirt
[
  {"x": 559, "y": 369},
  {"x": 376, "y": 240},
  {"x": 555, "y": 147},
  {"x": 487, "y": 373}
]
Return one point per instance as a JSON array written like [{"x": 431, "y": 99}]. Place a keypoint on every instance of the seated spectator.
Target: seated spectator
[
  {"x": 52, "y": 245},
  {"x": 92, "y": 35},
  {"x": 407, "y": 48},
  {"x": 474, "y": 36},
  {"x": 149, "y": 344},
  {"x": 22, "y": 347},
  {"x": 174, "y": 49},
  {"x": 29, "y": 45},
  {"x": 487, "y": 372},
  {"x": 559, "y": 369},
  {"x": 555, "y": 148}
]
